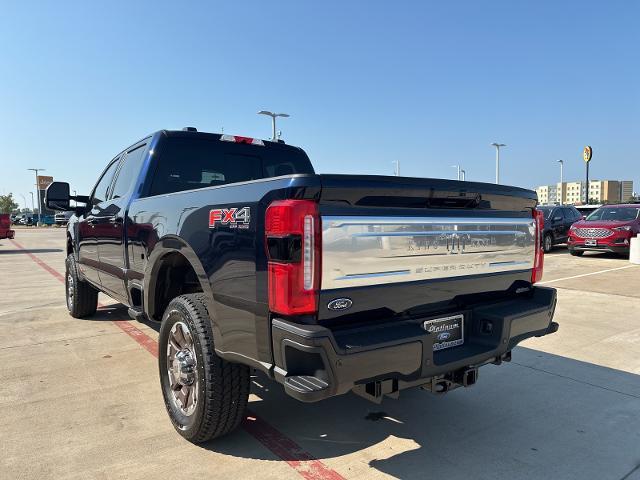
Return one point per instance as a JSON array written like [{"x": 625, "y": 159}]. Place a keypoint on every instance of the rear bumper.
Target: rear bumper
[
  {"x": 314, "y": 362},
  {"x": 7, "y": 233}
]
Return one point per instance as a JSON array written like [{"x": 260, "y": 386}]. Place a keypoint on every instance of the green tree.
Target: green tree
[{"x": 8, "y": 204}]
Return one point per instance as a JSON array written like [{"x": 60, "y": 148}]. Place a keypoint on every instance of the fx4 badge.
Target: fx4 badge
[{"x": 231, "y": 217}]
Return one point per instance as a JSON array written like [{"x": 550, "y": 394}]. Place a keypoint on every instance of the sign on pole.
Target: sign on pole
[
  {"x": 586, "y": 155},
  {"x": 44, "y": 181}
]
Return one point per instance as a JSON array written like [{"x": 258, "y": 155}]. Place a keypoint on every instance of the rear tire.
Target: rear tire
[
  {"x": 576, "y": 253},
  {"x": 547, "y": 243},
  {"x": 205, "y": 395},
  {"x": 82, "y": 298}
]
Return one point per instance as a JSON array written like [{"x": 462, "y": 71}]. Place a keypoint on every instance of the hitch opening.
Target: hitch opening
[{"x": 375, "y": 391}]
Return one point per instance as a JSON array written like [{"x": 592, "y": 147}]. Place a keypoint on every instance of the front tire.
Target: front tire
[
  {"x": 82, "y": 298},
  {"x": 205, "y": 395}
]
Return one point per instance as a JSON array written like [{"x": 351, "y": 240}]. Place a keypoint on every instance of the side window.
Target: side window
[
  {"x": 128, "y": 173},
  {"x": 563, "y": 212},
  {"x": 101, "y": 189}
]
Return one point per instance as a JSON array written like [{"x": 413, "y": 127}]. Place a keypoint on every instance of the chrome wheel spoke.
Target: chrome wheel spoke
[
  {"x": 174, "y": 345},
  {"x": 182, "y": 369},
  {"x": 178, "y": 337}
]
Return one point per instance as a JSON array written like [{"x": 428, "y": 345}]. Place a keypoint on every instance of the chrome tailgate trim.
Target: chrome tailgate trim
[{"x": 360, "y": 251}]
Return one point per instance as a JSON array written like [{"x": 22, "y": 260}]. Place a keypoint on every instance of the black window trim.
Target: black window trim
[
  {"x": 117, "y": 158},
  {"x": 123, "y": 157}
]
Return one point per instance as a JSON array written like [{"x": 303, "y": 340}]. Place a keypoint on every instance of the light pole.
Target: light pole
[
  {"x": 561, "y": 162},
  {"x": 37, "y": 189},
  {"x": 396, "y": 168},
  {"x": 33, "y": 207},
  {"x": 459, "y": 170},
  {"x": 463, "y": 175},
  {"x": 273, "y": 121},
  {"x": 25, "y": 201},
  {"x": 498, "y": 145}
]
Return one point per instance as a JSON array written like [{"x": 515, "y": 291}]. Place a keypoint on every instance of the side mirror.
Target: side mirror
[{"x": 57, "y": 197}]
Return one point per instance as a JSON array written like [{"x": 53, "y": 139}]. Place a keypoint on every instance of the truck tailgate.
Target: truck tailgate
[{"x": 425, "y": 244}]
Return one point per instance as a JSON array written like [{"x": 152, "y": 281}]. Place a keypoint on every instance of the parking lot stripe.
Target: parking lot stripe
[
  {"x": 52, "y": 271},
  {"x": 306, "y": 465},
  {"x": 586, "y": 274}
]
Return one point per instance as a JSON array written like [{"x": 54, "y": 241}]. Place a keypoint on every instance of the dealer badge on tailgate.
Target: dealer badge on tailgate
[{"x": 448, "y": 331}]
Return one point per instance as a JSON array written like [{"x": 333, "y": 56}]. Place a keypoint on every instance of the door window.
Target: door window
[
  {"x": 129, "y": 172},
  {"x": 101, "y": 189}
]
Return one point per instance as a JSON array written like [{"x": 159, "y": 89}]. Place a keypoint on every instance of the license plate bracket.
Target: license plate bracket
[
  {"x": 448, "y": 331},
  {"x": 591, "y": 242}
]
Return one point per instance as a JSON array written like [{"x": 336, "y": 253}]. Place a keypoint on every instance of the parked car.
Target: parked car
[
  {"x": 5, "y": 226},
  {"x": 26, "y": 220},
  {"x": 62, "y": 218},
  {"x": 608, "y": 229},
  {"x": 326, "y": 283},
  {"x": 557, "y": 221}
]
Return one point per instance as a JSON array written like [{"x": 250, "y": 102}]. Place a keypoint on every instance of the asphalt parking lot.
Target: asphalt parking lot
[{"x": 80, "y": 399}]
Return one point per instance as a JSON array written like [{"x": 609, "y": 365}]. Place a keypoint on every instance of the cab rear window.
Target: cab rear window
[{"x": 191, "y": 163}]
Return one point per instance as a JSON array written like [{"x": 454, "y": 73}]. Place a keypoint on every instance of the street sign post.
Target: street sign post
[
  {"x": 586, "y": 155},
  {"x": 43, "y": 182}
]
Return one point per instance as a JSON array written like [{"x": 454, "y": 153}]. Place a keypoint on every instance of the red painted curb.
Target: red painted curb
[{"x": 277, "y": 442}]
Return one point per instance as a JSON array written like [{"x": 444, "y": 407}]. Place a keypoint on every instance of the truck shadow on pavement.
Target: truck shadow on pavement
[{"x": 542, "y": 416}]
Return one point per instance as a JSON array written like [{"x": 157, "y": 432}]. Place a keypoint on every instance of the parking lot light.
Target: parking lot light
[
  {"x": 36, "y": 170},
  {"x": 273, "y": 116},
  {"x": 498, "y": 146}
]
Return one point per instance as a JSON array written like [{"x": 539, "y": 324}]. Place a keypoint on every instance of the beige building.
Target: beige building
[
  {"x": 575, "y": 193},
  {"x": 626, "y": 190}
]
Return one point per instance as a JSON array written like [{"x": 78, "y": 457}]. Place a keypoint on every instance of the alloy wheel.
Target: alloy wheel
[{"x": 182, "y": 369}]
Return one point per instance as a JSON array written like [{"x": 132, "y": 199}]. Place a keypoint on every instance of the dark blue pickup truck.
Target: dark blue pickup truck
[{"x": 326, "y": 283}]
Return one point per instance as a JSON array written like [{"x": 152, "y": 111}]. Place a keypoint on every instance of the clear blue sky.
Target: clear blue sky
[{"x": 366, "y": 83}]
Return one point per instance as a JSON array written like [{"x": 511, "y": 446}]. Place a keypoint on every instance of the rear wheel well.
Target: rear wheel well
[{"x": 175, "y": 276}]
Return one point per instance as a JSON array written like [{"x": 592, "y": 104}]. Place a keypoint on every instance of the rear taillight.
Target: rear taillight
[
  {"x": 292, "y": 230},
  {"x": 538, "y": 262}
]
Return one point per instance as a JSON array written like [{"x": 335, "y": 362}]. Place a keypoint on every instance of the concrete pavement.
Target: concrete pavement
[{"x": 80, "y": 398}]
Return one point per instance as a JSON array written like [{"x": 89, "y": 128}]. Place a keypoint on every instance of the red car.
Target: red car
[
  {"x": 608, "y": 229},
  {"x": 5, "y": 224}
]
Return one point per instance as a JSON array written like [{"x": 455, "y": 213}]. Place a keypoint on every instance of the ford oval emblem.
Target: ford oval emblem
[
  {"x": 444, "y": 336},
  {"x": 338, "y": 304}
]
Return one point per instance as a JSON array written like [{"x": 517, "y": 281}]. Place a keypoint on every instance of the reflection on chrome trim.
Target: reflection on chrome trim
[
  {"x": 437, "y": 232},
  {"x": 373, "y": 275},
  {"x": 343, "y": 221},
  {"x": 359, "y": 251}
]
